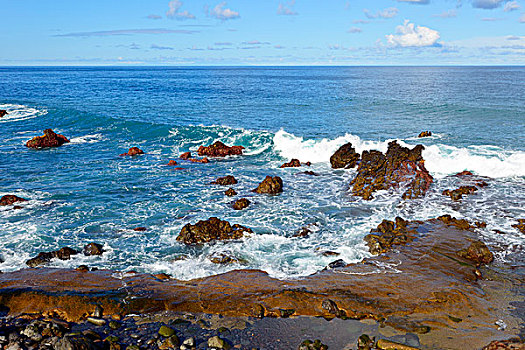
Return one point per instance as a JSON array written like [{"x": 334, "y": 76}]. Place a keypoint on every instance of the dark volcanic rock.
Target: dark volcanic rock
[
  {"x": 387, "y": 234},
  {"x": 133, "y": 151},
  {"x": 45, "y": 257},
  {"x": 241, "y": 204},
  {"x": 210, "y": 230},
  {"x": 344, "y": 157},
  {"x": 93, "y": 249},
  {"x": 225, "y": 181},
  {"x": 458, "y": 193},
  {"x": 400, "y": 165},
  {"x": 294, "y": 163},
  {"x": 230, "y": 192},
  {"x": 270, "y": 185},
  {"x": 478, "y": 253},
  {"x": 3, "y": 112},
  {"x": 185, "y": 155},
  {"x": 49, "y": 139},
  {"x": 425, "y": 134},
  {"x": 9, "y": 199},
  {"x": 219, "y": 149}
]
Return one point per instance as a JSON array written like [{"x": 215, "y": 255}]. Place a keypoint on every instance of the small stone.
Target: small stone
[
  {"x": 230, "y": 192},
  {"x": 337, "y": 264},
  {"x": 172, "y": 342},
  {"x": 364, "y": 342},
  {"x": 99, "y": 311},
  {"x": 225, "y": 181},
  {"x": 96, "y": 321},
  {"x": 172, "y": 163},
  {"x": 132, "y": 347},
  {"x": 133, "y": 151},
  {"x": 241, "y": 204},
  {"x": 166, "y": 331},
  {"x": 383, "y": 344},
  {"x": 93, "y": 249},
  {"x": 114, "y": 325},
  {"x": 218, "y": 343},
  {"x": 285, "y": 313},
  {"x": 189, "y": 342},
  {"x": 140, "y": 229}
]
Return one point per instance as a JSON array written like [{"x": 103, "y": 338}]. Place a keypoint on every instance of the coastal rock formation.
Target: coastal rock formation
[
  {"x": 9, "y": 199},
  {"x": 210, "y": 230},
  {"x": 511, "y": 344},
  {"x": 241, "y": 204},
  {"x": 185, "y": 155},
  {"x": 425, "y": 134},
  {"x": 49, "y": 139},
  {"x": 344, "y": 157},
  {"x": 197, "y": 160},
  {"x": 133, "y": 151},
  {"x": 458, "y": 193},
  {"x": 93, "y": 249},
  {"x": 388, "y": 234},
  {"x": 3, "y": 112},
  {"x": 219, "y": 149},
  {"x": 294, "y": 163},
  {"x": 399, "y": 166},
  {"x": 223, "y": 259},
  {"x": 225, "y": 181},
  {"x": 172, "y": 163},
  {"x": 270, "y": 185},
  {"x": 230, "y": 192},
  {"x": 461, "y": 224},
  {"x": 45, "y": 257},
  {"x": 520, "y": 225},
  {"x": 477, "y": 252},
  {"x": 464, "y": 173}
]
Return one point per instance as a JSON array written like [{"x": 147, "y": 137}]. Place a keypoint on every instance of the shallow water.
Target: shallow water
[{"x": 84, "y": 192}]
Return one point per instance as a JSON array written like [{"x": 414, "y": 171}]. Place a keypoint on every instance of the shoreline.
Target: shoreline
[{"x": 422, "y": 287}]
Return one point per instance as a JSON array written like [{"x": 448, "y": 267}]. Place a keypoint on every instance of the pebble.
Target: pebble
[{"x": 96, "y": 321}]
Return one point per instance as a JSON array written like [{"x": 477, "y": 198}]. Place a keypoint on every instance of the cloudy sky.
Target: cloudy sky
[{"x": 262, "y": 32}]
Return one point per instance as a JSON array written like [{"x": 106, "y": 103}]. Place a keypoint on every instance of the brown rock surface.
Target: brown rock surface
[
  {"x": 49, "y": 139},
  {"x": 45, "y": 257},
  {"x": 294, "y": 163},
  {"x": 185, "y": 155},
  {"x": 3, "y": 112},
  {"x": 93, "y": 249},
  {"x": 219, "y": 149},
  {"x": 477, "y": 252},
  {"x": 10, "y": 199},
  {"x": 230, "y": 192},
  {"x": 172, "y": 162},
  {"x": 344, "y": 157},
  {"x": 241, "y": 204},
  {"x": 270, "y": 185},
  {"x": 225, "y": 181},
  {"x": 458, "y": 193},
  {"x": 520, "y": 225},
  {"x": 425, "y": 134},
  {"x": 133, "y": 151},
  {"x": 210, "y": 230},
  {"x": 400, "y": 165}
]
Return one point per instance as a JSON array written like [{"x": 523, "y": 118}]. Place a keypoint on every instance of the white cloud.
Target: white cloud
[
  {"x": 386, "y": 13},
  {"x": 173, "y": 12},
  {"x": 420, "y": 2},
  {"x": 487, "y": 4},
  {"x": 287, "y": 8},
  {"x": 511, "y": 6},
  {"x": 447, "y": 14},
  {"x": 410, "y": 35},
  {"x": 354, "y": 30},
  {"x": 222, "y": 13}
]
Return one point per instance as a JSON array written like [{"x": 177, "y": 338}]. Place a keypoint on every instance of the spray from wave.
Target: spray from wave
[{"x": 17, "y": 113}]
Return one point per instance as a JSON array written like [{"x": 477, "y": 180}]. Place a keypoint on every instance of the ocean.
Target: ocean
[{"x": 84, "y": 192}]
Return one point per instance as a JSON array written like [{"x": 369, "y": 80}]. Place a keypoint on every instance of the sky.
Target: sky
[{"x": 262, "y": 32}]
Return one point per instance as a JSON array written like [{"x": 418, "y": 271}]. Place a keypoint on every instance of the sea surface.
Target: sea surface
[{"x": 84, "y": 192}]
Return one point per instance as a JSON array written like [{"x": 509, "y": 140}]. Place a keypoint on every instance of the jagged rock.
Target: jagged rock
[
  {"x": 520, "y": 225},
  {"x": 9, "y": 199},
  {"x": 336, "y": 264},
  {"x": 218, "y": 343},
  {"x": 185, "y": 155},
  {"x": 49, "y": 139},
  {"x": 464, "y": 173},
  {"x": 425, "y": 134},
  {"x": 477, "y": 252},
  {"x": 166, "y": 331},
  {"x": 221, "y": 258},
  {"x": 93, "y": 249},
  {"x": 457, "y": 194},
  {"x": 133, "y": 151},
  {"x": 219, "y": 149},
  {"x": 315, "y": 345},
  {"x": 388, "y": 234},
  {"x": 3, "y": 112},
  {"x": 332, "y": 308},
  {"x": 76, "y": 342},
  {"x": 210, "y": 230},
  {"x": 270, "y": 185},
  {"x": 172, "y": 163},
  {"x": 225, "y": 181},
  {"x": 197, "y": 160},
  {"x": 294, "y": 163},
  {"x": 344, "y": 157},
  {"x": 230, "y": 192},
  {"x": 461, "y": 224},
  {"x": 45, "y": 257},
  {"x": 400, "y": 165},
  {"x": 241, "y": 204},
  {"x": 510, "y": 344},
  {"x": 365, "y": 343}
]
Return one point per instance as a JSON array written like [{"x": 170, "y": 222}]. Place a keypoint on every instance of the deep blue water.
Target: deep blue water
[{"x": 84, "y": 192}]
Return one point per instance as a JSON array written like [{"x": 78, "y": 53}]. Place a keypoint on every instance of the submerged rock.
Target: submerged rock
[
  {"x": 172, "y": 163},
  {"x": 185, "y": 155},
  {"x": 462, "y": 224},
  {"x": 458, "y": 193},
  {"x": 388, "y": 234},
  {"x": 219, "y": 149},
  {"x": 344, "y": 157},
  {"x": 225, "y": 181},
  {"x": 425, "y": 134},
  {"x": 294, "y": 163},
  {"x": 312, "y": 345},
  {"x": 93, "y": 249},
  {"x": 230, "y": 192},
  {"x": 9, "y": 199},
  {"x": 45, "y": 257},
  {"x": 3, "y": 112},
  {"x": 49, "y": 139},
  {"x": 218, "y": 343},
  {"x": 477, "y": 252},
  {"x": 464, "y": 173},
  {"x": 270, "y": 185},
  {"x": 223, "y": 259},
  {"x": 133, "y": 151},
  {"x": 210, "y": 230},
  {"x": 241, "y": 204},
  {"x": 201, "y": 160},
  {"x": 399, "y": 166}
]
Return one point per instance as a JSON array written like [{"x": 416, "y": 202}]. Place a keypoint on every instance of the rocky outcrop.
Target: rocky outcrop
[
  {"x": 388, "y": 234},
  {"x": 478, "y": 253},
  {"x": 211, "y": 230},
  {"x": 270, "y": 185},
  {"x": 45, "y": 257},
  {"x": 294, "y": 163},
  {"x": 520, "y": 225},
  {"x": 10, "y": 199},
  {"x": 223, "y": 259},
  {"x": 510, "y": 344},
  {"x": 344, "y": 157},
  {"x": 3, "y": 112},
  {"x": 464, "y": 173},
  {"x": 133, "y": 151},
  {"x": 49, "y": 139},
  {"x": 230, "y": 192},
  {"x": 199, "y": 160},
  {"x": 461, "y": 224},
  {"x": 400, "y": 166},
  {"x": 172, "y": 163},
  {"x": 185, "y": 155},
  {"x": 225, "y": 181},
  {"x": 458, "y": 193},
  {"x": 93, "y": 249},
  {"x": 219, "y": 149},
  {"x": 241, "y": 204},
  {"x": 425, "y": 134}
]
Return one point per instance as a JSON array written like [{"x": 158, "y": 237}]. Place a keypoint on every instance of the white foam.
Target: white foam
[
  {"x": 20, "y": 112},
  {"x": 92, "y": 138}
]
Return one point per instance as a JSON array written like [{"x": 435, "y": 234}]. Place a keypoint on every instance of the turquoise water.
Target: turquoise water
[{"x": 84, "y": 192}]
